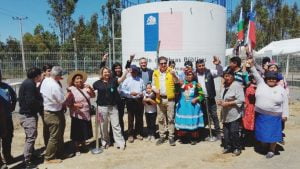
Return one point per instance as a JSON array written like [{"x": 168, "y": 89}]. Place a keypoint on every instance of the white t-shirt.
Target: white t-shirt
[
  {"x": 162, "y": 82},
  {"x": 201, "y": 80},
  {"x": 149, "y": 108}
]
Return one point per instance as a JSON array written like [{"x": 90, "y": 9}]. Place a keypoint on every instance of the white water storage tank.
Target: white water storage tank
[{"x": 187, "y": 30}]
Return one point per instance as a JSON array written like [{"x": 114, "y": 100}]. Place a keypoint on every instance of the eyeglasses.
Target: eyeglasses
[
  {"x": 271, "y": 79},
  {"x": 163, "y": 63}
]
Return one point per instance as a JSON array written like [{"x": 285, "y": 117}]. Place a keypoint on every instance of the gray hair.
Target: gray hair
[{"x": 57, "y": 71}]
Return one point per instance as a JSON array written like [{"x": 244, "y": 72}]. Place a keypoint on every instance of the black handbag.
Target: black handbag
[{"x": 92, "y": 107}]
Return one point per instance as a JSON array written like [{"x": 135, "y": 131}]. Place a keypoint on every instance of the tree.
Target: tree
[
  {"x": 61, "y": 12},
  {"x": 274, "y": 21},
  {"x": 294, "y": 31},
  {"x": 40, "y": 41},
  {"x": 39, "y": 29},
  {"x": 109, "y": 10},
  {"x": 2, "y": 46},
  {"x": 12, "y": 45}
]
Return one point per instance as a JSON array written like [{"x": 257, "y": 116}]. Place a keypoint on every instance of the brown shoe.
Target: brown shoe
[
  {"x": 130, "y": 139},
  {"x": 53, "y": 161}
]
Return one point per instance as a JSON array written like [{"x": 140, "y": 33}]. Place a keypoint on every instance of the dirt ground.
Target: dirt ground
[{"x": 143, "y": 154}]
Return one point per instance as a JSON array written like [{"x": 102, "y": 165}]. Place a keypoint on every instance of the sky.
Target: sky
[{"x": 36, "y": 11}]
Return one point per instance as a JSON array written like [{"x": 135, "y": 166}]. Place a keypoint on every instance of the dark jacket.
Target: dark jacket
[
  {"x": 30, "y": 99},
  {"x": 3, "y": 117},
  {"x": 10, "y": 104},
  {"x": 150, "y": 73},
  {"x": 209, "y": 84}
]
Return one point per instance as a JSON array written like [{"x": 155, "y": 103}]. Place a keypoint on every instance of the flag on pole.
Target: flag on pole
[
  {"x": 251, "y": 36},
  {"x": 240, "y": 27}
]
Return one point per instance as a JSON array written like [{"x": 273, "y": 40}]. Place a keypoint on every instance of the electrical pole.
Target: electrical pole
[
  {"x": 20, "y": 19},
  {"x": 75, "y": 53},
  {"x": 113, "y": 32},
  {"x": 113, "y": 36}
]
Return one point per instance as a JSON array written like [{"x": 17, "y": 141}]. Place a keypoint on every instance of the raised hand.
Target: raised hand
[
  {"x": 105, "y": 57},
  {"x": 173, "y": 72},
  {"x": 250, "y": 62},
  {"x": 132, "y": 57},
  {"x": 216, "y": 60}
]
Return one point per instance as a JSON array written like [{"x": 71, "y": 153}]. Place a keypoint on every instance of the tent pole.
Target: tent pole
[{"x": 287, "y": 66}]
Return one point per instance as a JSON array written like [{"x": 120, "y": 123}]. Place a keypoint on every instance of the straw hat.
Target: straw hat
[{"x": 73, "y": 74}]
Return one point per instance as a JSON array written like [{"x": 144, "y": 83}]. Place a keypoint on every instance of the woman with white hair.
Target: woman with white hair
[{"x": 107, "y": 100}]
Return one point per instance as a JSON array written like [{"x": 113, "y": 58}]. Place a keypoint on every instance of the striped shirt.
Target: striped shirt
[{"x": 241, "y": 77}]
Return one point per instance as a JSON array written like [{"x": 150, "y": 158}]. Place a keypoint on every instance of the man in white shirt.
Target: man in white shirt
[
  {"x": 206, "y": 78},
  {"x": 54, "y": 118}
]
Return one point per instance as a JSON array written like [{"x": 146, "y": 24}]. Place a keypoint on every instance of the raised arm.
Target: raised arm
[
  {"x": 175, "y": 78},
  {"x": 285, "y": 105},
  {"x": 123, "y": 77},
  {"x": 128, "y": 63},
  {"x": 219, "y": 68},
  {"x": 256, "y": 75},
  {"x": 103, "y": 61}
]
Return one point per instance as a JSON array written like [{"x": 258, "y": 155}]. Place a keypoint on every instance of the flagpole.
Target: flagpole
[{"x": 248, "y": 42}]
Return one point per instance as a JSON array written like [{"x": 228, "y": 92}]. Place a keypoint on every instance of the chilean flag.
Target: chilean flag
[
  {"x": 251, "y": 37},
  {"x": 165, "y": 27}
]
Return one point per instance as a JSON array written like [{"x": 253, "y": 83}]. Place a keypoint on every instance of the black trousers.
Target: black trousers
[
  {"x": 231, "y": 135},
  {"x": 7, "y": 140},
  {"x": 135, "y": 109},
  {"x": 212, "y": 110},
  {"x": 151, "y": 120}
]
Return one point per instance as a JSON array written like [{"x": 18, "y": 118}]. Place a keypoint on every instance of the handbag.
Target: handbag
[{"x": 92, "y": 107}]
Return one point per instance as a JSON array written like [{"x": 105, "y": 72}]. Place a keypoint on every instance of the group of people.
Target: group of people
[{"x": 180, "y": 102}]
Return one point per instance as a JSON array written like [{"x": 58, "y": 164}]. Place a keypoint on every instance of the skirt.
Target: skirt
[
  {"x": 188, "y": 116},
  {"x": 268, "y": 128},
  {"x": 81, "y": 130}
]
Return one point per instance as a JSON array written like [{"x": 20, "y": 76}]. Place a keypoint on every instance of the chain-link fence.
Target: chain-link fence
[{"x": 12, "y": 67}]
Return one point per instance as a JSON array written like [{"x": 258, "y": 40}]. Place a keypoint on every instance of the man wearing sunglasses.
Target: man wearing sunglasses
[{"x": 164, "y": 79}]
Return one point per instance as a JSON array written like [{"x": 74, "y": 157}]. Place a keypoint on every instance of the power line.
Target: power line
[
  {"x": 10, "y": 11},
  {"x": 3, "y": 13}
]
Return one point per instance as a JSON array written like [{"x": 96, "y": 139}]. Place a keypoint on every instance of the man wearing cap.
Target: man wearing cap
[
  {"x": 206, "y": 78},
  {"x": 53, "y": 96},
  {"x": 188, "y": 66},
  {"x": 132, "y": 89},
  {"x": 31, "y": 103},
  {"x": 164, "y": 79}
]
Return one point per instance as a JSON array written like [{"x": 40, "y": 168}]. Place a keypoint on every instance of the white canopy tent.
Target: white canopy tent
[{"x": 282, "y": 47}]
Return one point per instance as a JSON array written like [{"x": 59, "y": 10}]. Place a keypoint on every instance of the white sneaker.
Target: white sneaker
[{"x": 152, "y": 138}]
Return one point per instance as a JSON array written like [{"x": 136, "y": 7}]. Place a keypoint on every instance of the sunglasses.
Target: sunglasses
[{"x": 163, "y": 63}]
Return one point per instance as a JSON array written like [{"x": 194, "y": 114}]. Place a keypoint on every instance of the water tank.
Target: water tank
[{"x": 186, "y": 30}]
